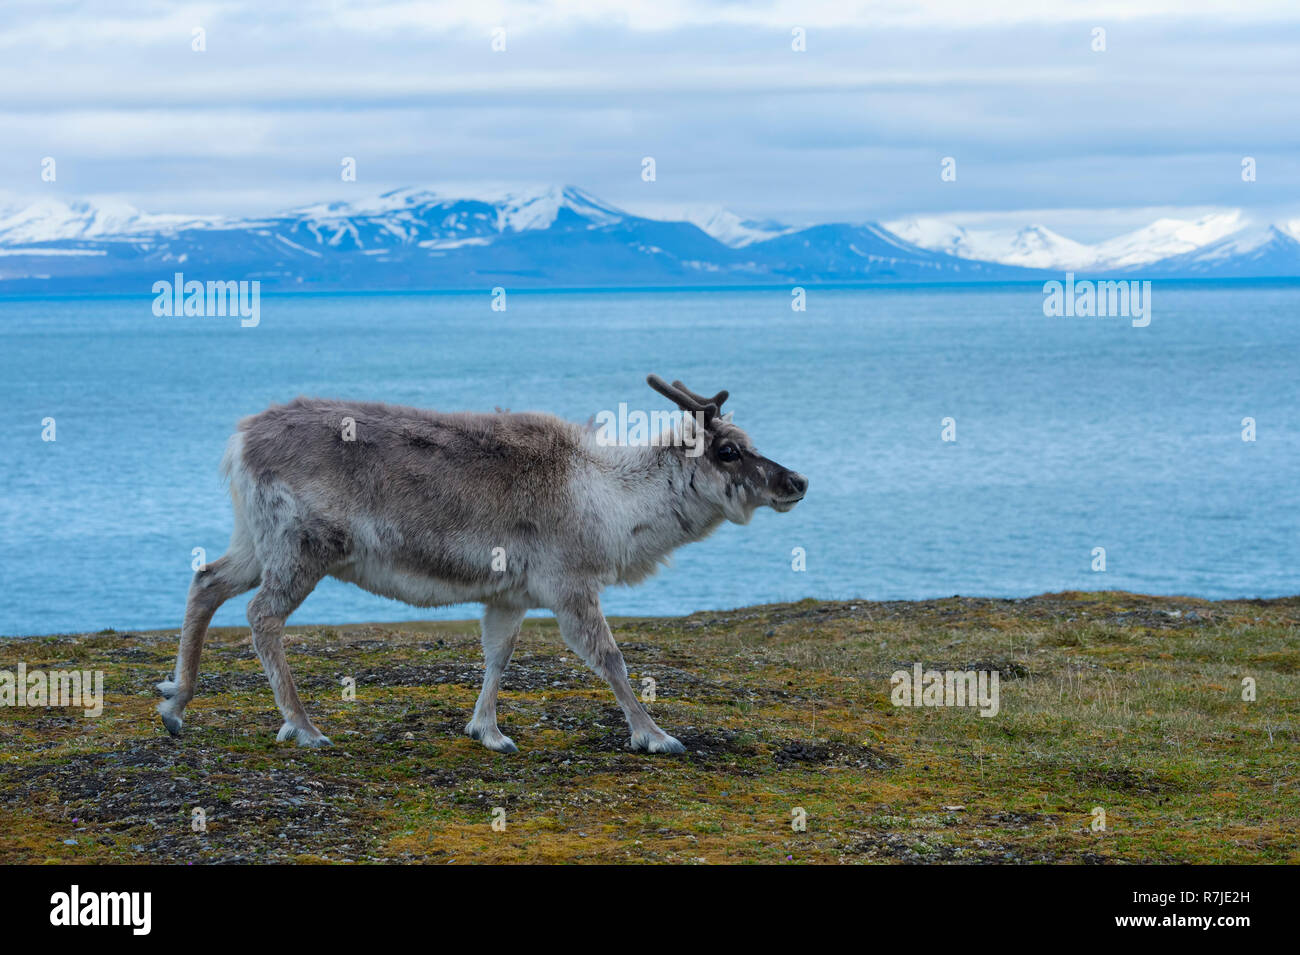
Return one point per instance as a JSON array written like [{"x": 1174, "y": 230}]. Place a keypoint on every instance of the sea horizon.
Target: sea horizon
[{"x": 1049, "y": 413}]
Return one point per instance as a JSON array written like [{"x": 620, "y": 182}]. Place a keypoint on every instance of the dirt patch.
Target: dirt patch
[
  {"x": 912, "y": 849},
  {"x": 800, "y": 751},
  {"x": 144, "y": 798},
  {"x": 1123, "y": 780}
]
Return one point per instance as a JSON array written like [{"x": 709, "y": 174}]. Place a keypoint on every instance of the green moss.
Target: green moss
[{"x": 1126, "y": 703}]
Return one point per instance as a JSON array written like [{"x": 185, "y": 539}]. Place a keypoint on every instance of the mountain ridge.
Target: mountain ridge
[{"x": 553, "y": 236}]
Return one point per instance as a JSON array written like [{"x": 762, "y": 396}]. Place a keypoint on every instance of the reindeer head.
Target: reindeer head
[{"x": 729, "y": 472}]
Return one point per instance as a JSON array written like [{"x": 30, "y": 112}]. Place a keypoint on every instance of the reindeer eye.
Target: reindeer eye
[{"x": 727, "y": 452}]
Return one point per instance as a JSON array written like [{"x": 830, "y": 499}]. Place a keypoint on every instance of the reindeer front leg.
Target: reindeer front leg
[{"x": 585, "y": 630}]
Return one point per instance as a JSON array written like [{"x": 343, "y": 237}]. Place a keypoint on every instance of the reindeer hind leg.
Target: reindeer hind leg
[
  {"x": 235, "y": 573},
  {"x": 500, "y": 631},
  {"x": 286, "y": 582}
]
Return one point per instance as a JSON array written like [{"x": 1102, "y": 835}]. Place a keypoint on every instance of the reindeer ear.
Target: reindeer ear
[{"x": 726, "y": 418}]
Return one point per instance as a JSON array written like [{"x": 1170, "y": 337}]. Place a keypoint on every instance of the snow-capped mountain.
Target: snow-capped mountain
[
  {"x": 1032, "y": 247},
  {"x": 426, "y": 218},
  {"x": 1166, "y": 237},
  {"x": 1037, "y": 247},
  {"x": 1262, "y": 251},
  {"x": 560, "y": 236},
  {"x": 730, "y": 229},
  {"x": 418, "y": 238},
  {"x": 52, "y": 220}
]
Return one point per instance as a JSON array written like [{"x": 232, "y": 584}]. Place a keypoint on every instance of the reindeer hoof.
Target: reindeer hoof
[
  {"x": 492, "y": 738},
  {"x": 663, "y": 743},
  {"x": 170, "y": 720},
  {"x": 305, "y": 735}
]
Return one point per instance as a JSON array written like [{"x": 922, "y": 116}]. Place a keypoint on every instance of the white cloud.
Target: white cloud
[
  {"x": 83, "y": 24},
  {"x": 854, "y": 128}
]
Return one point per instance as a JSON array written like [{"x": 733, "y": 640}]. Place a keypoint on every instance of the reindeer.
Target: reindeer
[{"x": 513, "y": 511}]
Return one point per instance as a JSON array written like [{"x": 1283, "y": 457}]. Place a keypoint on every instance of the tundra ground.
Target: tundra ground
[{"x": 1128, "y": 704}]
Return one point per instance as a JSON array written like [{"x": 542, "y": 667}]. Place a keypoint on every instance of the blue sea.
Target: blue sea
[{"x": 1070, "y": 434}]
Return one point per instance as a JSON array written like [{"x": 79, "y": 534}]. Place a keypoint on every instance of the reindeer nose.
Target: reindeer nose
[{"x": 793, "y": 483}]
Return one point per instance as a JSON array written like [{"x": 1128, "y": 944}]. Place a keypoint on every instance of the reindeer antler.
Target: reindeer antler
[
  {"x": 717, "y": 399},
  {"x": 686, "y": 399}
]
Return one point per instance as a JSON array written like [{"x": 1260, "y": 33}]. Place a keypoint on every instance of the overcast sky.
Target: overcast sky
[{"x": 852, "y": 129}]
